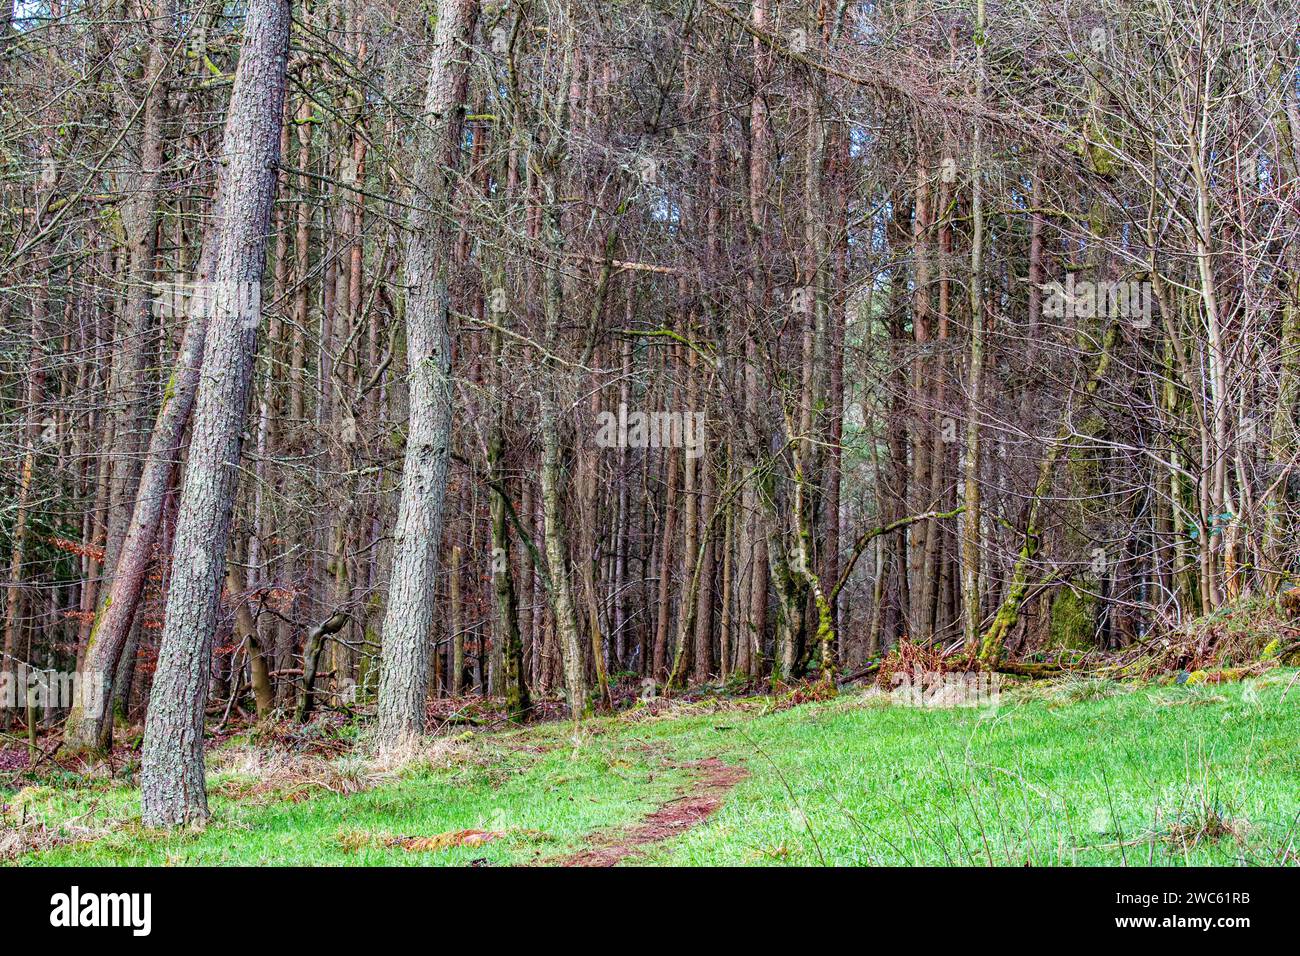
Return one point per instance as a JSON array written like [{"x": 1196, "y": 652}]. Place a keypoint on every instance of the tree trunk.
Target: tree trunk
[
  {"x": 516, "y": 686},
  {"x": 246, "y": 630},
  {"x": 970, "y": 545},
  {"x": 456, "y": 625},
  {"x": 132, "y": 354},
  {"x": 408, "y": 623},
  {"x": 171, "y": 782}
]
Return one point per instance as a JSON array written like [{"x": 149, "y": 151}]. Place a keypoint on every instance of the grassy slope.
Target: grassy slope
[{"x": 1059, "y": 775}]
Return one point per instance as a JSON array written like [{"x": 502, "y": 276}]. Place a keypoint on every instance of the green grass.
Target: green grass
[
  {"x": 1085, "y": 772},
  {"x": 546, "y": 802}
]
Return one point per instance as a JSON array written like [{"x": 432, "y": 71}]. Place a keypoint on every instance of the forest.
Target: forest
[{"x": 622, "y": 429}]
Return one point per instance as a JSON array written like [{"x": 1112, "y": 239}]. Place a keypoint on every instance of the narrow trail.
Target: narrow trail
[{"x": 699, "y": 800}]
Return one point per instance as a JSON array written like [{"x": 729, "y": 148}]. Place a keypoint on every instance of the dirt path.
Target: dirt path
[{"x": 703, "y": 797}]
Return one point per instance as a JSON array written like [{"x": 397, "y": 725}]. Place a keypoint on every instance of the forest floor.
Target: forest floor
[{"x": 1074, "y": 771}]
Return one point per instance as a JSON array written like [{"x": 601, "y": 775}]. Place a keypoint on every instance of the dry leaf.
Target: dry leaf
[{"x": 445, "y": 841}]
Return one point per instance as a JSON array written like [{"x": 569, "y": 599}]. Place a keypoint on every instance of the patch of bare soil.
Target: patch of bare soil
[{"x": 713, "y": 781}]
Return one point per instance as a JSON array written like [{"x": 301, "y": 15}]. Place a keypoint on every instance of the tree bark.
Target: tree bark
[
  {"x": 970, "y": 545},
  {"x": 172, "y": 782},
  {"x": 408, "y": 623}
]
